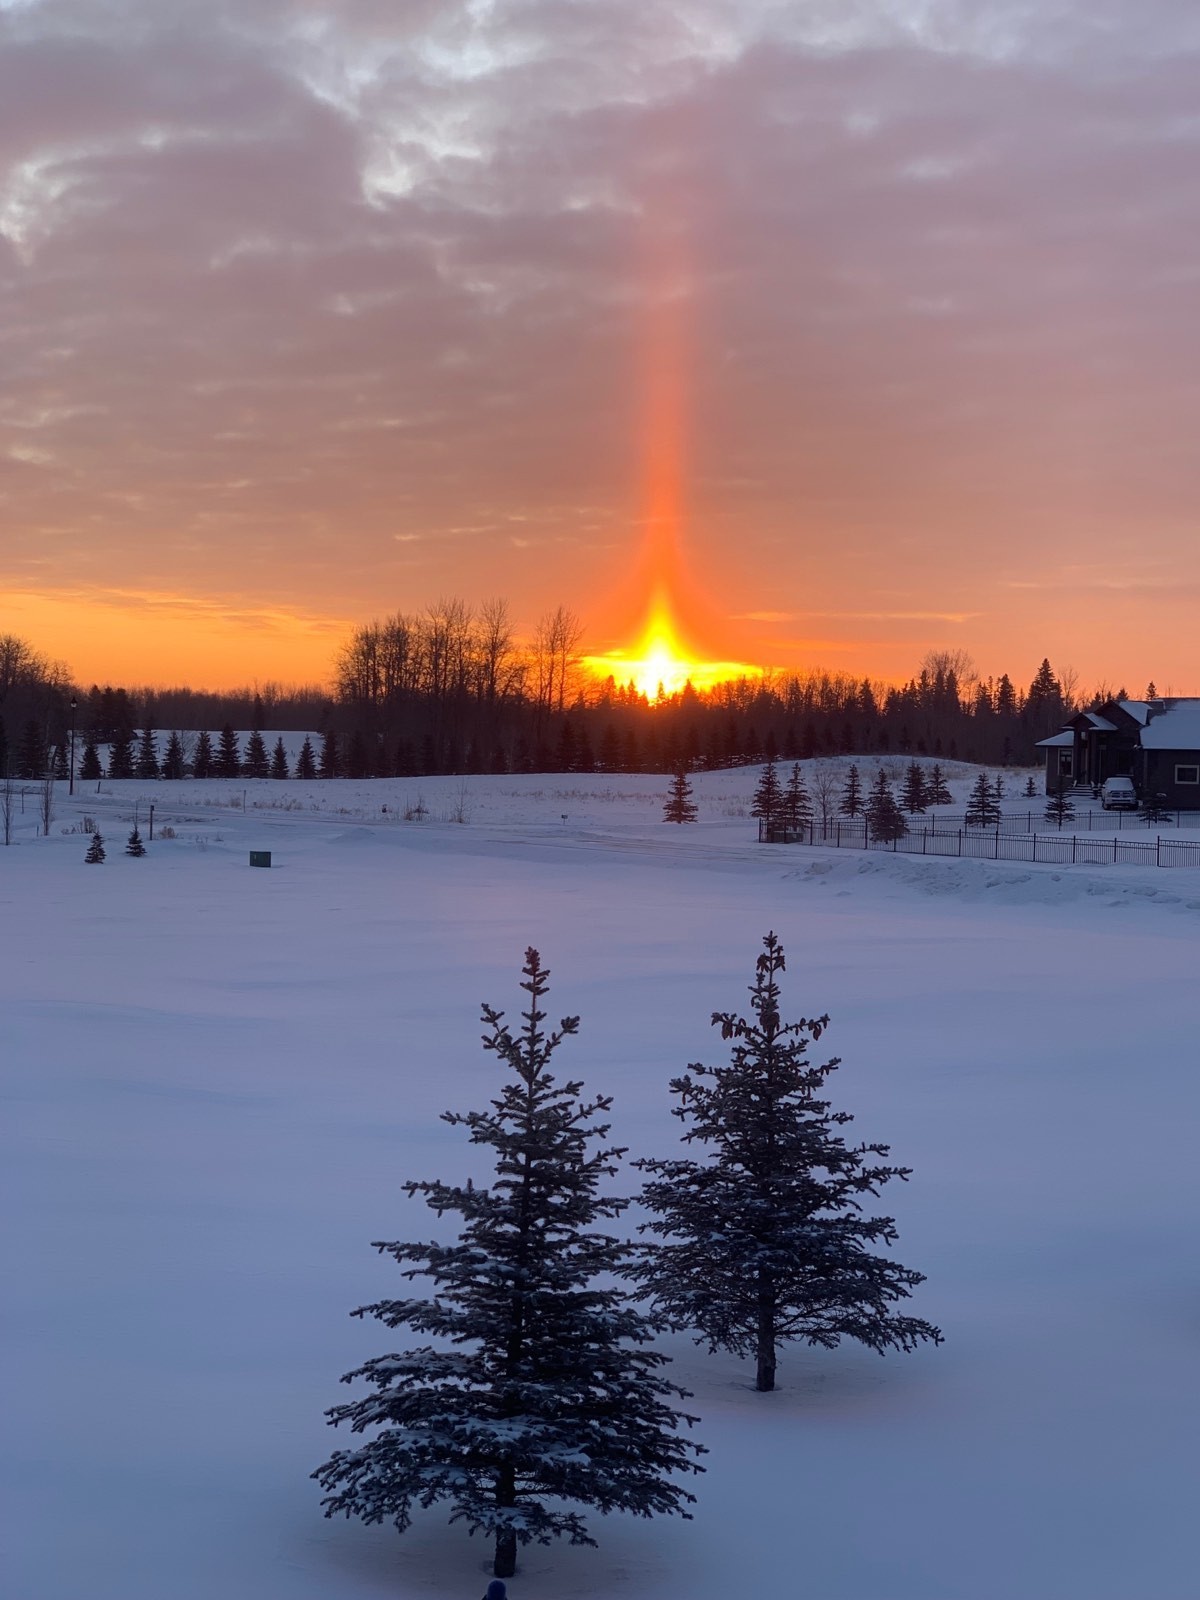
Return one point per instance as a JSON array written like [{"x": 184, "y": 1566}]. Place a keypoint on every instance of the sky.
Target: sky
[{"x": 855, "y": 328}]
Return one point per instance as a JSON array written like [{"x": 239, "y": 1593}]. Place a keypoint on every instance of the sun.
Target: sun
[{"x": 662, "y": 663}]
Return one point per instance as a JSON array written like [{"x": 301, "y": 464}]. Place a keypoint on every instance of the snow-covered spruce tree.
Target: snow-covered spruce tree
[
  {"x": 766, "y": 1240},
  {"x": 983, "y": 809},
  {"x": 885, "y": 820},
  {"x": 95, "y": 850},
  {"x": 679, "y": 805},
  {"x": 938, "y": 790},
  {"x": 134, "y": 845},
  {"x": 540, "y": 1393}
]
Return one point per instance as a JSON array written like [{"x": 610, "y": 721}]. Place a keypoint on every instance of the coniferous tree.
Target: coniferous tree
[
  {"x": 938, "y": 790},
  {"x": 679, "y": 805},
  {"x": 3, "y": 749},
  {"x": 765, "y": 1241},
  {"x": 146, "y": 765},
  {"x": 983, "y": 809},
  {"x": 1060, "y": 807},
  {"x": 539, "y": 1392},
  {"x": 279, "y": 761},
  {"x": 60, "y": 761},
  {"x": 885, "y": 820},
  {"x": 1154, "y": 806},
  {"x": 204, "y": 762},
  {"x": 89, "y": 763},
  {"x": 768, "y": 796},
  {"x": 255, "y": 763},
  {"x": 357, "y": 763},
  {"x": 913, "y": 796},
  {"x": 134, "y": 845},
  {"x": 306, "y": 761},
  {"x": 1030, "y": 788},
  {"x": 32, "y": 754},
  {"x": 851, "y": 803},
  {"x": 95, "y": 850},
  {"x": 120, "y": 753},
  {"x": 229, "y": 756},
  {"x": 330, "y": 764},
  {"x": 797, "y": 802},
  {"x": 173, "y": 764}
]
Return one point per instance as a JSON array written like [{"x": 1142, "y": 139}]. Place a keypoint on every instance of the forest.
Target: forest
[{"x": 453, "y": 689}]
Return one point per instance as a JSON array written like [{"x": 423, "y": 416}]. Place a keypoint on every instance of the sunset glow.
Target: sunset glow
[{"x": 662, "y": 662}]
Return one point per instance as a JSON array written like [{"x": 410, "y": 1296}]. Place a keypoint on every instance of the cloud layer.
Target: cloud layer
[{"x": 305, "y": 306}]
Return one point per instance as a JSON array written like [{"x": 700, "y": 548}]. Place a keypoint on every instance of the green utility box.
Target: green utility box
[{"x": 260, "y": 858}]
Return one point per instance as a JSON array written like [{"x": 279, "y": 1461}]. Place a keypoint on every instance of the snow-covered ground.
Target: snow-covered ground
[{"x": 216, "y": 1080}]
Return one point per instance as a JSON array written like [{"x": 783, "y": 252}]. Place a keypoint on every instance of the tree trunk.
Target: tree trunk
[
  {"x": 765, "y": 1378},
  {"x": 505, "y": 1563}
]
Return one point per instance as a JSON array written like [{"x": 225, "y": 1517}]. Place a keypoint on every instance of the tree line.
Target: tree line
[{"x": 454, "y": 690}]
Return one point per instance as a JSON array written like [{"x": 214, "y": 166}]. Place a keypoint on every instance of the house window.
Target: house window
[
  {"x": 1188, "y": 774},
  {"x": 1066, "y": 763}
]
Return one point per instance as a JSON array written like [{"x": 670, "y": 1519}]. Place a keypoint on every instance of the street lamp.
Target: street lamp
[{"x": 71, "y": 773}]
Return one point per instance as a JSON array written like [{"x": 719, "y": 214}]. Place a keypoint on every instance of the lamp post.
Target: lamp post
[{"x": 71, "y": 773}]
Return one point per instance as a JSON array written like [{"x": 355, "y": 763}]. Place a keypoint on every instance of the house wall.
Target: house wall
[{"x": 1156, "y": 775}]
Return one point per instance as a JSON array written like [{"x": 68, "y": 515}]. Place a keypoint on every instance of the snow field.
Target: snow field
[{"x": 216, "y": 1080}]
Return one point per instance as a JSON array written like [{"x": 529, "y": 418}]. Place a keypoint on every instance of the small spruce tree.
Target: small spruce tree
[
  {"x": 255, "y": 763},
  {"x": 229, "y": 756},
  {"x": 983, "y": 809},
  {"x": 330, "y": 764},
  {"x": 134, "y": 845},
  {"x": 120, "y": 754},
  {"x": 1154, "y": 806},
  {"x": 679, "y": 805},
  {"x": 766, "y": 1241},
  {"x": 146, "y": 765},
  {"x": 885, "y": 820},
  {"x": 279, "y": 761},
  {"x": 1060, "y": 807},
  {"x": 768, "y": 796},
  {"x": 938, "y": 790},
  {"x": 913, "y": 796},
  {"x": 540, "y": 1391},
  {"x": 95, "y": 850},
  {"x": 204, "y": 762},
  {"x": 1030, "y": 788},
  {"x": 797, "y": 802},
  {"x": 306, "y": 761},
  {"x": 851, "y": 803},
  {"x": 173, "y": 763}
]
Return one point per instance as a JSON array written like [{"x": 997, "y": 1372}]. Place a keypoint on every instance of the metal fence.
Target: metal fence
[{"x": 1000, "y": 842}]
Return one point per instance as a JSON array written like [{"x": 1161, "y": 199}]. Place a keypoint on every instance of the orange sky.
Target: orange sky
[{"x": 838, "y": 346}]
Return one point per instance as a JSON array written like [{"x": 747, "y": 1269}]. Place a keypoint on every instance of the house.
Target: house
[{"x": 1154, "y": 742}]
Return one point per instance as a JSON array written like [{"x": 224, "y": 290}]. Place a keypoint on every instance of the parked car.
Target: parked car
[{"x": 1118, "y": 794}]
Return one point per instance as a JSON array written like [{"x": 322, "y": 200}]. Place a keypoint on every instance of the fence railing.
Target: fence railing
[{"x": 995, "y": 843}]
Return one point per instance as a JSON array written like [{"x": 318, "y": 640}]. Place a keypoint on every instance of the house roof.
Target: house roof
[
  {"x": 1175, "y": 728},
  {"x": 1138, "y": 709},
  {"x": 1094, "y": 720},
  {"x": 1064, "y": 739}
]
